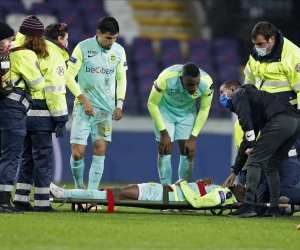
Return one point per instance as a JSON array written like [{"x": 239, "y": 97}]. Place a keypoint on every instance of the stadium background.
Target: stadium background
[{"x": 215, "y": 34}]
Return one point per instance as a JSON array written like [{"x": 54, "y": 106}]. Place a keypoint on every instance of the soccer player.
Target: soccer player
[
  {"x": 172, "y": 106},
  {"x": 98, "y": 62},
  {"x": 202, "y": 193}
]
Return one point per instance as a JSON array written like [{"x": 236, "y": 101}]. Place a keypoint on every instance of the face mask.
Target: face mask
[
  {"x": 225, "y": 101},
  {"x": 66, "y": 44},
  {"x": 5, "y": 43},
  {"x": 262, "y": 51}
]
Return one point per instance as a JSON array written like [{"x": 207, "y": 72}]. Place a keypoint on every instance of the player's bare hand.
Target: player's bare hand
[
  {"x": 229, "y": 181},
  {"x": 117, "y": 114},
  {"x": 88, "y": 108},
  {"x": 190, "y": 148},
  {"x": 165, "y": 144},
  {"x": 207, "y": 181},
  {"x": 249, "y": 151}
]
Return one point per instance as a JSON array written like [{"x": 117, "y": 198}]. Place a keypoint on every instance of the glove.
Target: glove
[{"x": 59, "y": 131}]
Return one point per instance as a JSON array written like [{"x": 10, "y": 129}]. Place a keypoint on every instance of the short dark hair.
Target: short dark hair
[
  {"x": 190, "y": 69},
  {"x": 231, "y": 83},
  {"x": 108, "y": 24},
  {"x": 264, "y": 29},
  {"x": 55, "y": 30}
]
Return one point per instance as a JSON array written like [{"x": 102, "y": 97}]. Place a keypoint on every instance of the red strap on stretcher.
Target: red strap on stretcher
[
  {"x": 111, "y": 200},
  {"x": 201, "y": 186}
]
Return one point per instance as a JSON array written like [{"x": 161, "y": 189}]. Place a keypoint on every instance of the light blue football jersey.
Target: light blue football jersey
[
  {"x": 96, "y": 68},
  {"x": 175, "y": 97}
]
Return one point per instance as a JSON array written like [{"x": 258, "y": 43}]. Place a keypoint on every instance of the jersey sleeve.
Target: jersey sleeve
[
  {"x": 157, "y": 91},
  {"x": 214, "y": 198},
  {"x": 121, "y": 78},
  {"x": 74, "y": 65},
  {"x": 206, "y": 100}
]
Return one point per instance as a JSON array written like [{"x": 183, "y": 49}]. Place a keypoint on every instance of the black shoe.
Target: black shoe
[
  {"x": 24, "y": 207},
  {"x": 272, "y": 213},
  {"x": 7, "y": 208},
  {"x": 245, "y": 211},
  {"x": 47, "y": 210},
  {"x": 5, "y": 205}
]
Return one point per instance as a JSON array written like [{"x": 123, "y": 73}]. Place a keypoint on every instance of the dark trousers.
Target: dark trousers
[
  {"x": 273, "y": 145},
  {"x": 12, "y": 134},
  {"x": 36, "y": 167}
]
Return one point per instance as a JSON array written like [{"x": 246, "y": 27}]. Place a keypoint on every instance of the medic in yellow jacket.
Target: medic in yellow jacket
[
  {"x": 277, "y": 71},
  {"x": 24, "y": 64},
  {"x": 49, "y": 105}
]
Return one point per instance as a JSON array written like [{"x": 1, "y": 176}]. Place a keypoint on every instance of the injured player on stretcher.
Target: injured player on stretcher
[{"x": 202, "y": 193}]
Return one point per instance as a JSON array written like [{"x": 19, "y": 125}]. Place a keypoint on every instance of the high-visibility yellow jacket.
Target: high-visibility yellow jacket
[
  {"x": 24, "y": 63},
  {"x": 49, "y": 105},
  {"x": 278, "y": 72},
  {"x": 25, "y": 74}
]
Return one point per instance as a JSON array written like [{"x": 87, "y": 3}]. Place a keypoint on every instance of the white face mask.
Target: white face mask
[
  {"x": 262, "y": 51},
  {"x": 66, "y": 44},
  {"x": 5, "y": 43}
]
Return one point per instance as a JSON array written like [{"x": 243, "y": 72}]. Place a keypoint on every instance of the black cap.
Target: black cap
[{"x": 5, "y": 31}]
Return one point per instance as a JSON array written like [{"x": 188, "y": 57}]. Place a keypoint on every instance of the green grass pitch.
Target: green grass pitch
[{"x": 134, "y": 228}]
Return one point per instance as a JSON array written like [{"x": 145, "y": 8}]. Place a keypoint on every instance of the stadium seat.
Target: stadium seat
[
  {"x": 225, "y": 43},
  {"x": 146, "y": 70},
  {"x": 143, "y": 54},
  {"x": 170, "y": 44},
  {"x": 169, "y": 58},
  {"x": 90, "y": 6},
  {"x": 13, "y": 7},
  {"x": 229, "y": 72},
  {"x": 145, "y": 85},
  {"x": 142, "y": 42},
  {"x": 195, "y": 44}
]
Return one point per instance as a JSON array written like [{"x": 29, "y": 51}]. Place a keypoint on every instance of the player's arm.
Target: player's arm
[
  {"x": 121, "y": 87},
  {"x": 249, "y": 77},
  {"x": 158, "y": 89},
  {"x": 74, "y": 65},
  {"x": 206, "y": 100},
  {"x": 209, "y": 200}
]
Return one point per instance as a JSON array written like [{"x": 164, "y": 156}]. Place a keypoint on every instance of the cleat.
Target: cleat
[{"x": 56, "y": 191}]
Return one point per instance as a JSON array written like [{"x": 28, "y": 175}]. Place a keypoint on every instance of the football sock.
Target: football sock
[
  {"x": 96, "y": 171},
  {"x": 85, "y": 194},
  {"x": 185, "y": 169},
  {"x": 77, "y": 168},
  {"x": 164, "y": 169}
]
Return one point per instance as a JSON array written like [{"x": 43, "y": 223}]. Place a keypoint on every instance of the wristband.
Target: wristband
[
  {"x": 250, "y": 135},
  {"x": 120, "y": 104}
]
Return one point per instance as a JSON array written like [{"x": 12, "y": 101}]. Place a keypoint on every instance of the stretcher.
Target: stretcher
[{"x": 113, "y": 200}]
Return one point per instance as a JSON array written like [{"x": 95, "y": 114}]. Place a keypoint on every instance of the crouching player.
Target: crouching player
[{"x": 202, "y": 193}]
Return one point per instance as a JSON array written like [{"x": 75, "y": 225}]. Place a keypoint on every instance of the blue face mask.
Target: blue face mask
[{"x": 225, "y": 101}]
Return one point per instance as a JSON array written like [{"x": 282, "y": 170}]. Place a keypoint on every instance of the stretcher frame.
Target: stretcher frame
[{"x": 113, "y": 200}]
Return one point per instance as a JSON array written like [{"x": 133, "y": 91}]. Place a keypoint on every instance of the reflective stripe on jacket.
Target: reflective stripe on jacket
[{"x": 278, "y": 72}]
